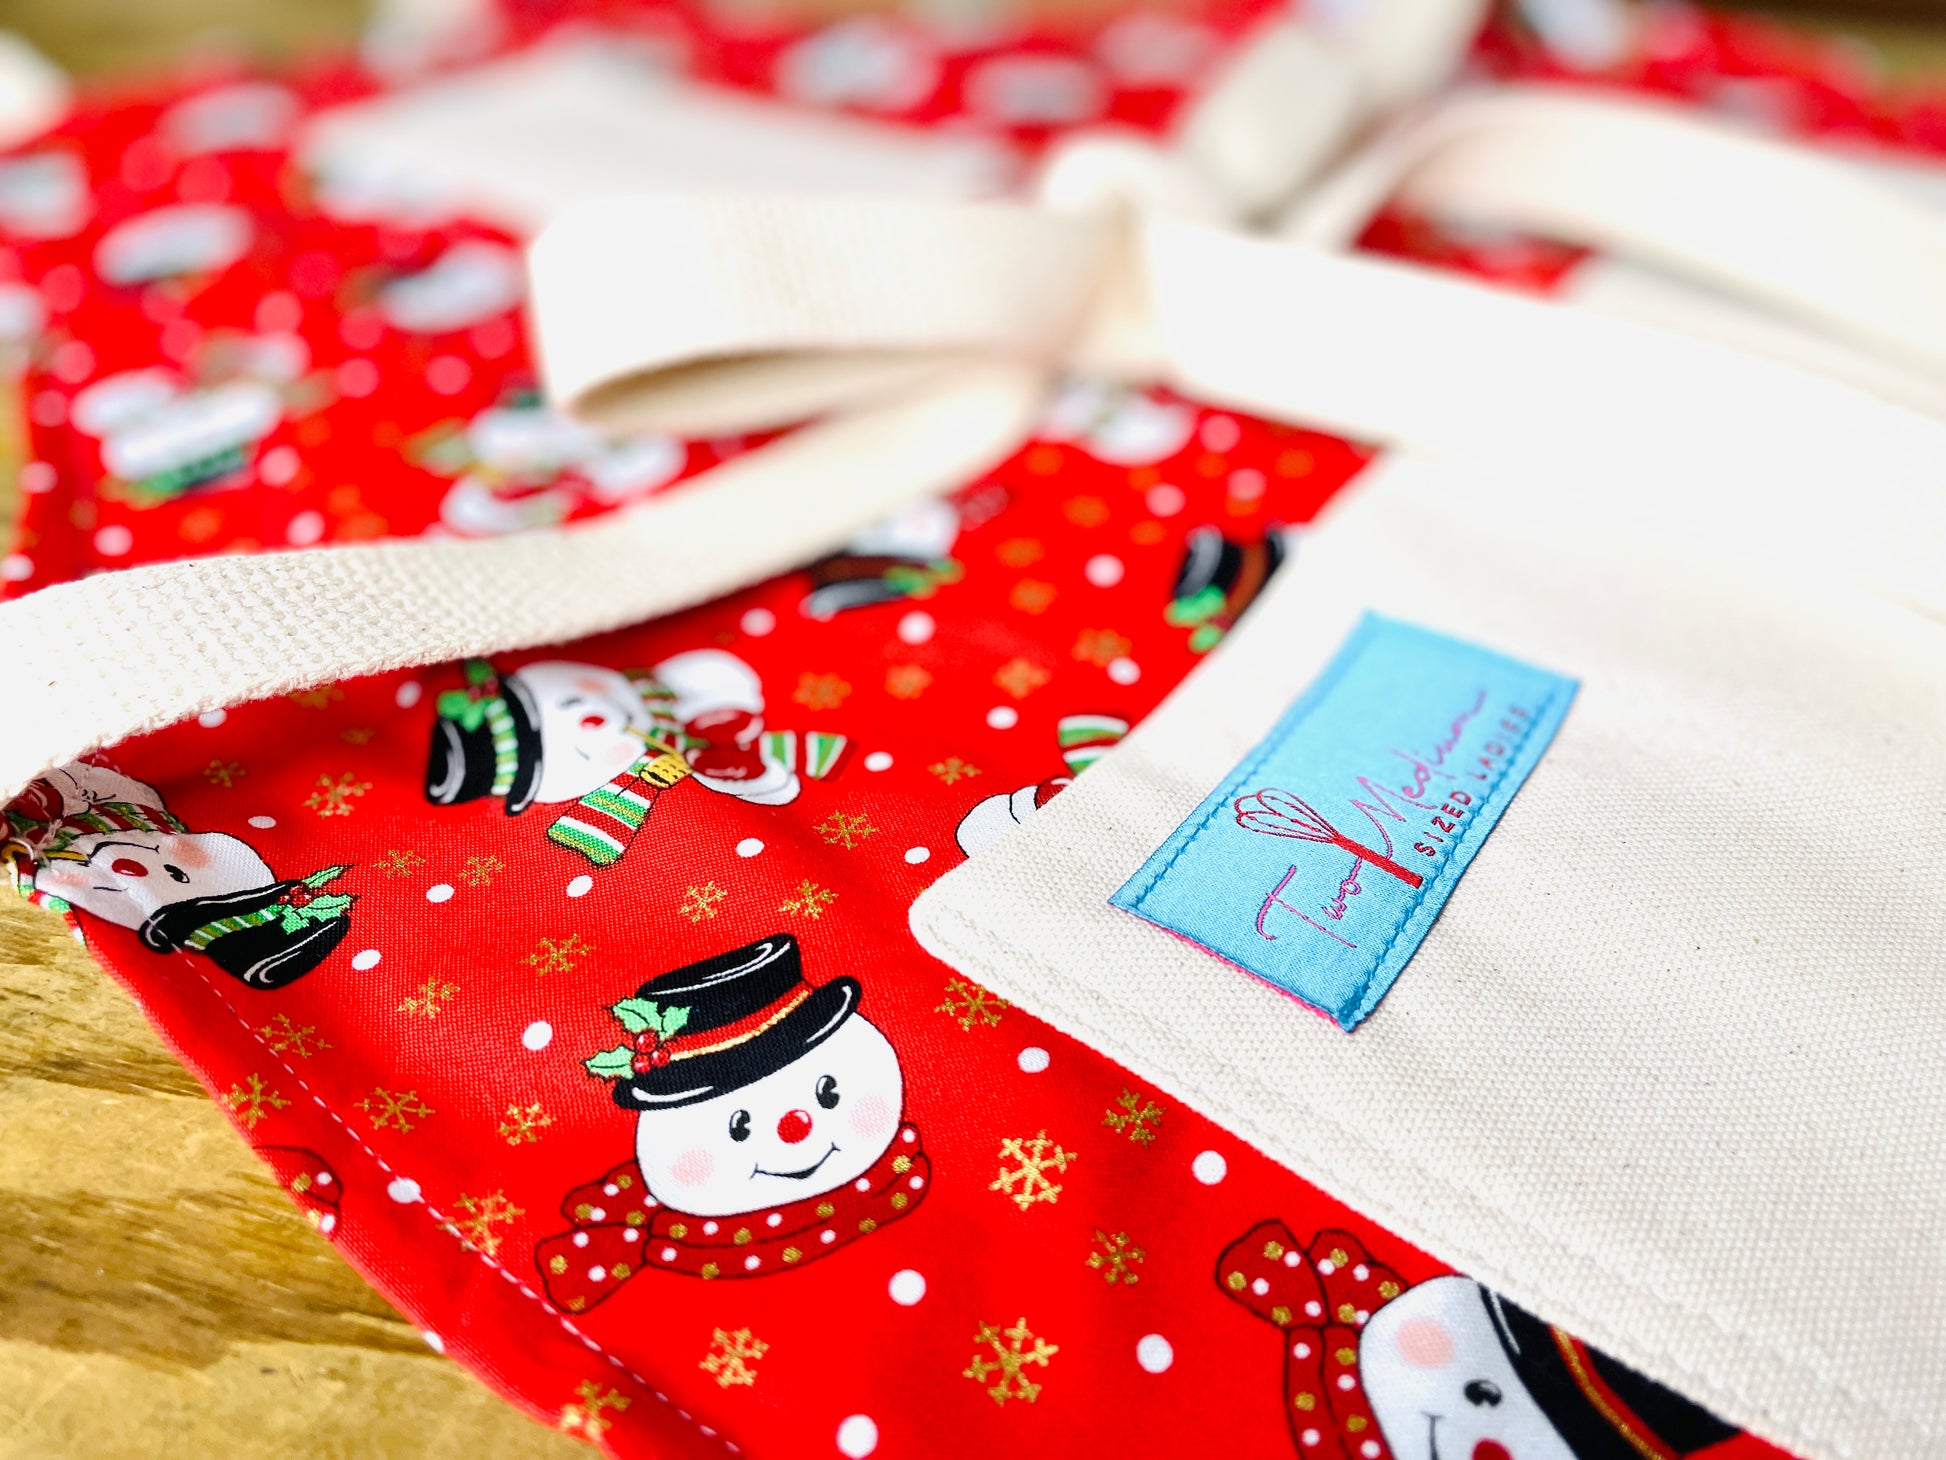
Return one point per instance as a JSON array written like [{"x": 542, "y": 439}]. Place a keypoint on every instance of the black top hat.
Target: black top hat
[
  {"x": 262, "y": 955},
  {"x": 1210, "y": 559},
  {"x": 1594, "y": 1402},
  {"x": 464, "y": 761},
  {"x": 750, "y": 1013}
]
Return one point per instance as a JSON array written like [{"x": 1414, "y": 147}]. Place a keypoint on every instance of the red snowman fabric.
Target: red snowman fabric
[{"x": 454, "y": 1058}]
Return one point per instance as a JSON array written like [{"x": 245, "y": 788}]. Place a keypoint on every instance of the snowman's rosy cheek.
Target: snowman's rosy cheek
[
  {"x": 872, "y": 1116},
  {"x": 1424, "y": 1343},
  {"x": 692, "y": 1167}
]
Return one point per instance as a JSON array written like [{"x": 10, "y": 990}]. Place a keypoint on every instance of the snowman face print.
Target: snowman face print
[
  {"x": 811, "y": 1127},
  {"x": 1442, "y": 1385},
  {"x": 591, "y": 723},
  {"x": 124, "y": 877}
]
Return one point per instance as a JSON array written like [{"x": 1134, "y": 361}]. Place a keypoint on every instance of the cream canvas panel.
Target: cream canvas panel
[{"x": 1667, "y": 1069}]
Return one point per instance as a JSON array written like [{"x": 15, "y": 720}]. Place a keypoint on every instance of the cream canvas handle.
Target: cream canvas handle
[
  {"x": 1631, "y": 419},
  {"x": 1781, "y": 225}
]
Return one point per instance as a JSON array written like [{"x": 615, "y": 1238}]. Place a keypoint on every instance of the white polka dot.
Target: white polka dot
[
  {"x": 1154, "y": 1353},
  {"x": 1247, "y": 485},
  {"x": 1370, "y": 1449},
  {"x": 1347, "y": 1383},
  {"x": 263, "y": 823},
  {"x": 434, "y": 1341},
  {"x": 580, "y": 886},
  {"x": 1309, "y": 1437},
  {"x": 368, "y": 959},
  {"x": 752, "y": 1263},
  {"x": 114, "y": 540},
  {"x": 907, "y": 1287},
  {"x": 305, "y": 529},
  {"x": 709, "y": 1229},
  {"x": 749, "y": 847},
  {"x": 1033, "y": 1060},
  {"x": 1300, "y": 1350},
  {"x": 324, "y": 1178},
  {"x": 1361, "y": 1272},
  {"x": 327, "y": 1224},
  {"x": 1326, "y": 1267},
  {"x": 1220, "y": 433},
  {"x": 757, "y": 622},
  {"x": 1003, "y": 717},
  {"x": 580, "y": 1239},
  {"x": 407, "y": 694},
  {"x": 210, "y": 719},
  {"x": 1124, "y": 670},
  {"x": 597, "y": 1274},
  {"x": 916, "y": 855},
  {"x": 1209, "y": 1168},
  {"x": 668, "y": 1254},
  {"x": 857, "y": 1436},
  {"x": 403, "y": 1190},
  {"x": 538, "y": 1035},
  {"x": 448, "y": 375},
  {"x": 357, "y": 378},
  {"x": 1260, "y": 1287},
  {"x": 1165, "y": 499},
  {"x": 439, "y": 892},
  {"x": 37, "y": 477},
  {"x": 878, "y": 760},
  {"x": 916, "y": 627},
  {"x": 279, "y": 466},
  {"x": 1104, "y": 570},
  {"x": 775, "y": 1219},
  {"x": 16, "y": 567}
]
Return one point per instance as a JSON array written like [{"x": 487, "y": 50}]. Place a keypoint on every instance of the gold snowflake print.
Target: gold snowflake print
[
  {"x": 1115, "y": 1258},
  {"x": 316, "y": 699},
  {"x": 557, "y": 955},
  {"x": 1031, "y": 595},
  {"x": 700, "y": 902},
  {"x": 253, "y": 1100},
  {"x": 428, "y": 998},
  {"x": 334, "y": 798},
  {"x": 953, "y": 769},
  {"x": 397, "y": 863},
  {"x": 1100, "y": 647},
  {"x": 971, "y": 1004},
  {"x": 399, "y": 1112},
  {"x": 732, "y": 1355},
  {"x": 1026, "y": 1182},
  {"x": 820, "y": 691},
  {"x": 1135, "y": 1118},
  {"x": 1018, "y": 552},
  {"x": 480, "y": 871},
  {"x": 1021, "y": 677},
  {"x": 280, "y": 1034},
  {"x": 482, "y": 1215},
  {"x": 843, "y": 829},
  {"x": 224, "y": 773},
  {"x": 583, "y": 1414},
  {"x": 358, "y": 735},
  {"x": 524, "y": 1124},
  {"x": 1011, "y": 1352},
  {"x": 810, "y": 901},
  {"x": 1085, "y": 511},
  {"x": 906, "y": 681}
]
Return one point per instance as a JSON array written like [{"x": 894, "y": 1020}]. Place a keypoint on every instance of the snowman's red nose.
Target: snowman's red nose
[
  {"x": 793, "y": 1126},
  {"x": 1491, "y": 1450}
]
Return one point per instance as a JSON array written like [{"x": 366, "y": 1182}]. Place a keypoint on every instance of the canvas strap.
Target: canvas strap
[{"x": 1806, "y": 234}]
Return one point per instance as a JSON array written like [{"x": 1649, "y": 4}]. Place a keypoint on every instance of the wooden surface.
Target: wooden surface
[{"x": 159, "y": 1295}]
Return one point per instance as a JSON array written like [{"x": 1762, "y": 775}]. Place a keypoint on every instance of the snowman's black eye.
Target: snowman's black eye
[
  {"x": 176, "y": 872},
  {"x": 1483, "y": 1392},
  {"x": 827, "y": 1092},
  {"x": 740, "y": 1126}
]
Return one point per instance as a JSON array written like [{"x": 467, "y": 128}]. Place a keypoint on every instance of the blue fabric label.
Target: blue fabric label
[{"x": 1322, "y": 861}]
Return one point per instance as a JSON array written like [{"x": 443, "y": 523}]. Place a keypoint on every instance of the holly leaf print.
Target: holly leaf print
[
  {"x": 673, "y": 1020},
  {"x": 638, "y": 1014},
  {"x": 612, "y": 1064}
]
